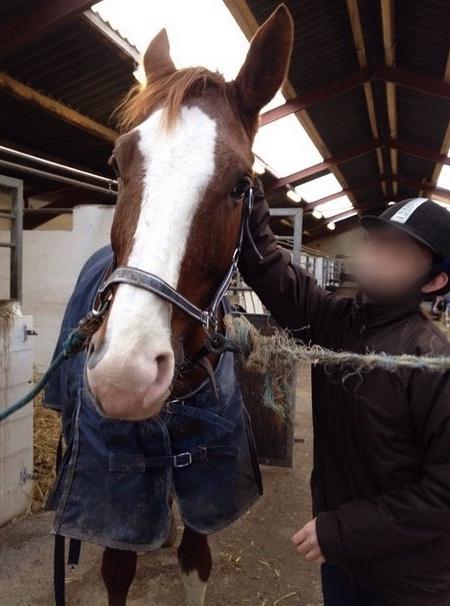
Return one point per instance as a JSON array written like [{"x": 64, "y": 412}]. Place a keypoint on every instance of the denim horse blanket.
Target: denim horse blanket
[{"x": 116, "y": 477}]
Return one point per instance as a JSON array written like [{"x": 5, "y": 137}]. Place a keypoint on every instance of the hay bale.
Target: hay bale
[{"x": 46, "y": 431}]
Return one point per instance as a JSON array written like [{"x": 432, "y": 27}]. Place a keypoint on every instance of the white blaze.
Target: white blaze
[{"x": 178, "y": 166}]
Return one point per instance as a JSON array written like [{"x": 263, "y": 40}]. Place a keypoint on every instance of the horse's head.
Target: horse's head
[{"x": 185, "y": 165}]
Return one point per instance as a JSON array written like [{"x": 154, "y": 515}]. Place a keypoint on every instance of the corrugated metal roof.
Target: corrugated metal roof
[
  {"x": 26, "y": 125},
  {"x": 342, "y": 121},
  {"x": 78, "y": 65},
  {"x": 324, "y": 51},
  {"x": 74, "y": 65},
  {"x": 422, "y": 29},
  {"x": 322, "y": 25}
]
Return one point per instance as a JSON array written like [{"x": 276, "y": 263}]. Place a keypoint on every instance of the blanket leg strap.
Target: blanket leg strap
[{"x": 59, "y": 570}]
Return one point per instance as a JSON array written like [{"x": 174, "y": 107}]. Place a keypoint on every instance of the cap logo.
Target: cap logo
[{"x": 402, "y": 215}]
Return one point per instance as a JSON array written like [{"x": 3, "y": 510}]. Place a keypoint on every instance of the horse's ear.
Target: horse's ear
[
  {"x": 157, "y": 60},
  {"x": 267, "y": 61}
]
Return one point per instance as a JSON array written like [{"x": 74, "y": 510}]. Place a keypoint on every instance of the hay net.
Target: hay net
[{"x": 274, "y": 356}]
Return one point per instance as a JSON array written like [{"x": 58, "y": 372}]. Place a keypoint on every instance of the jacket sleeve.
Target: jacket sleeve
[
  {"x": 290, "y": 294},
  {"x": 404, "y": 518}
]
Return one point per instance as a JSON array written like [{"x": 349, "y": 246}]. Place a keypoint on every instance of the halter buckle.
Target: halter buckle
[
  {"x": 184, "y": 459},
  {"x": 103, "y": 306}
]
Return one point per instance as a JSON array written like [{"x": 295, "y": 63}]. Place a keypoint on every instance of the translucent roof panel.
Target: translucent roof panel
[
  {"x": 335, "y": 207},
  {"x": 203, "y": 32},
  {"x": 319, "y": 188},
  {"x": 284, "y": 144},
  {"x": 444, "y": 178}
]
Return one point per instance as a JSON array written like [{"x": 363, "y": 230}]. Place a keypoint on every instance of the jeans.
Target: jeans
[{"x": 339, "y": 589}]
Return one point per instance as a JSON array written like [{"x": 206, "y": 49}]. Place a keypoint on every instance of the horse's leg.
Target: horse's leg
[
  {"x": 194, "y": 557},
  {"x": 118, "y": 570}
]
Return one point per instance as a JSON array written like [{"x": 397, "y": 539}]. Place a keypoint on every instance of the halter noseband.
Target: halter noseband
[{"x": 157, "y": 286}]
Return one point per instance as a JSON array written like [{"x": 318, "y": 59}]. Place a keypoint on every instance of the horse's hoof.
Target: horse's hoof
[{"x": 173, "y": 533}]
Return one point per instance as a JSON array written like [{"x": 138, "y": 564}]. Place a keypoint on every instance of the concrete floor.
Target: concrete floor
[{"x": 254, "y": 560}]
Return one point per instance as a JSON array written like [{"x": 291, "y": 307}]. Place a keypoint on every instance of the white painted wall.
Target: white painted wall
[
  {"x": 51, "y": 263},
  {"x": 16, "y": 432}
]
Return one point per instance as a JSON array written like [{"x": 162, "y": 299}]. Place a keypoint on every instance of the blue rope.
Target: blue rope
[{"x": 71, "y": 346}]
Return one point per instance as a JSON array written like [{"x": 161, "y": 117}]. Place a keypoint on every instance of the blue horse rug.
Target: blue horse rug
[{"x": 116, "y": 478}]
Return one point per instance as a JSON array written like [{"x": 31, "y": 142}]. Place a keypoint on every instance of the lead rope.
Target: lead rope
[
  {"x": 80, "y": 336},
  {"x": 75, "y": 342}
]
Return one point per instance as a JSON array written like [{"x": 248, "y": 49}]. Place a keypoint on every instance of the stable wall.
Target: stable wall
[
  {"x": 51, "y": 263},
  {"x": 338, "y": 245},
  {"x": 16, "y": 432}
]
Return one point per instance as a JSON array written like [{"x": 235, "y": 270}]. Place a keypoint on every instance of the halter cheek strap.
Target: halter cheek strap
[{"x": 159, "y": 287}]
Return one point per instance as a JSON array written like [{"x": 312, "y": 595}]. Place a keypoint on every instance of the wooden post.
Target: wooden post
[{"x": 58, "y": 109}]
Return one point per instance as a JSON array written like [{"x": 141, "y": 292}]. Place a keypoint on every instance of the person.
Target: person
[{"x": 381, "y": 474}]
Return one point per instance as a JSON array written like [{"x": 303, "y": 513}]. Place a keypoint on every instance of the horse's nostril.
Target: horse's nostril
[{"x": 164, "y": 366}]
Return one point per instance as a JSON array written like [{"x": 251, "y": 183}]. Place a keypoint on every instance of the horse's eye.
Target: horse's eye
[{"x": 241, "y": 188}]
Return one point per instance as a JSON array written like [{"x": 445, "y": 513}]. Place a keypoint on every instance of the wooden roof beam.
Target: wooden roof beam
[
  {"x": 345, "y": 192},
  {"x": 387, "y": 19},
  {"x": 445, "y": 146},
  {"x": 43, "y": 17},
  {"x": 358, "y": 38},
  {"x": 56, "y": 108}
]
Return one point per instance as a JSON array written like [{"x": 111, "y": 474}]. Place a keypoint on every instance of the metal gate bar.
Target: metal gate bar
[
  {"x": 15, "y": 188},
  {"x": 65, "y": 167}
]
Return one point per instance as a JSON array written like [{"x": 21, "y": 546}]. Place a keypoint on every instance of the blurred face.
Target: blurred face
[{"x": 390, "y": 264}]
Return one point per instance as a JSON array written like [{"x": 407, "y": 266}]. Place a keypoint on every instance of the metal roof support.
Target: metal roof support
[
  {"x": 345, "y": 192},
  {"x": 317, "y": 95},
  {"x": 438, "y": 193},
  {"x": 410, "y": 80},
  {"x": 421, "y": 152},
  {"x": 414, "y": 81},
  {"x": 310, "y": 172}
]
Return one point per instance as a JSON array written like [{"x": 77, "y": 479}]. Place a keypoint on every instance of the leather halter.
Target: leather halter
[{"x": 157, "y": 286}]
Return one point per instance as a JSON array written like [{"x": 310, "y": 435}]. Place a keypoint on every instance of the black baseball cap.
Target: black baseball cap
[{"x": 420, "y": 218}]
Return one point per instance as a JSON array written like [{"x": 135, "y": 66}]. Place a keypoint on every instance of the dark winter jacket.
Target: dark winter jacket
[{"x": 381, "y": 477}]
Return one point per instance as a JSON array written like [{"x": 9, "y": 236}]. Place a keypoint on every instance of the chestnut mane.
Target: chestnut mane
[{"x": 173, "y": 89}]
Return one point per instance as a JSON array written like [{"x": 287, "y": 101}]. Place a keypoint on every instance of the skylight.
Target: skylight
[
  {"x": 319, "y": 188},
  {"x": 335, "y": 207},
  {"x": 444, "y": 178},
  {"x": 444, "y": 182}
]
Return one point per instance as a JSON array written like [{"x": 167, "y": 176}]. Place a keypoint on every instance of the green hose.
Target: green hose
[{"x": 72, "y": 345}]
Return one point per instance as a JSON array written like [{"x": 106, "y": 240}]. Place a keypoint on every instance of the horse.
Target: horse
[{"x": 152, "y": 411}]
